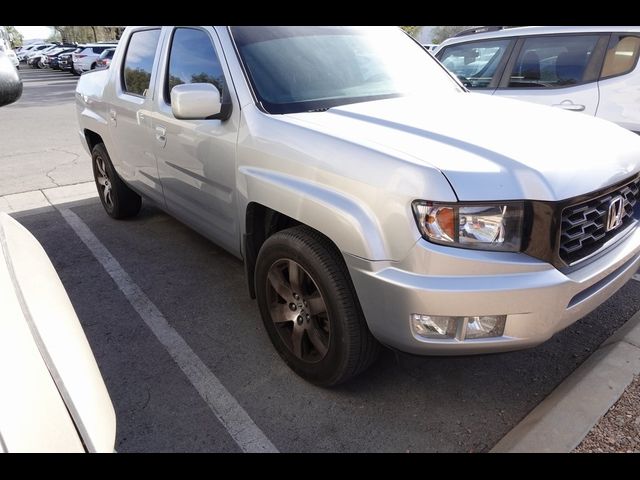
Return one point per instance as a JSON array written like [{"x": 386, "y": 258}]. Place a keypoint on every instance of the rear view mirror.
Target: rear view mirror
[
  {"x": 198, "y": 101},
  {"x": 10, "y": 83}
]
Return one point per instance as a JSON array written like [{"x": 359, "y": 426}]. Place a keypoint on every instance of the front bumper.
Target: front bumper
[{"x": 538, "y": 299}]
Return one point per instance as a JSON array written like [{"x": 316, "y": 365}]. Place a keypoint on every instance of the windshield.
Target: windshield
[{"x": 298, "y": 69}]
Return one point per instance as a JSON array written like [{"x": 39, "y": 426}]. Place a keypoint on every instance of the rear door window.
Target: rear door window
[
  {"x": 621, "y": 56},
  {"x": 138, "y": 61},
  {"x": 474, "y": 63},
  {"x": 554, "y": 61}
]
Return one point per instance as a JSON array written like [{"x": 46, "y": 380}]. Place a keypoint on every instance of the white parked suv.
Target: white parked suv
[
  {"x": 593, "y": 70},
  {"x": 371, "y": 197},
  {"x": 86, "y": 59}
]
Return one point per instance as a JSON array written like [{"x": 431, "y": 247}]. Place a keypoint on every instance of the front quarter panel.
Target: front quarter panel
[{"x": 354, "y": 193}]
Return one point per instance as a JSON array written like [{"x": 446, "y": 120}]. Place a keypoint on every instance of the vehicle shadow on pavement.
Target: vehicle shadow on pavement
[{"x": 403, "y": 403}]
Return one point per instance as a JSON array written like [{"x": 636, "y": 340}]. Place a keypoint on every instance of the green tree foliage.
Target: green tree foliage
[
  {"x": 15, "y": 37},
  {"x": 198, "y": 78},
  {"x": 413, "y": 31},
  {"x": 86, "y": 34},
  {"x": 206, "y": 78},
  {"x": 174, "y": 81},
  {"x": 137, "y": 80}
]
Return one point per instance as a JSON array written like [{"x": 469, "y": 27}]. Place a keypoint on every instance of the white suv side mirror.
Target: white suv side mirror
[{"x": 196, "y": 101}]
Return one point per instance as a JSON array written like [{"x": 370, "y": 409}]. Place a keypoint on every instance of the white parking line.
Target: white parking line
[
  {"x": 636, "y": 277},
  {"x": 234, "y": 418}
]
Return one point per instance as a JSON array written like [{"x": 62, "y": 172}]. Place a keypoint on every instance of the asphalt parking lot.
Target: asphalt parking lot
[{"x": 403, "y": 403}]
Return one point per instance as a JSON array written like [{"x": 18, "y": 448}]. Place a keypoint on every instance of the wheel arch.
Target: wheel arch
[
  {"x": 92, "y": 138},
  {"x": 279, "y": 201}
]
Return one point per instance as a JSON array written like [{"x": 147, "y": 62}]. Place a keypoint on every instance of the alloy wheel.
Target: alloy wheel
[
  {"x": 298, "y": 310},
  {"x": 104, "y": 182}
]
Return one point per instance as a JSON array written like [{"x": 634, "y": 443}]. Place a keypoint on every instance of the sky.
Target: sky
[{"x": 35, "y": 32}]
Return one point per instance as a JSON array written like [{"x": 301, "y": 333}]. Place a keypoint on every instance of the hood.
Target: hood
[{"x": 491, "y": 148}]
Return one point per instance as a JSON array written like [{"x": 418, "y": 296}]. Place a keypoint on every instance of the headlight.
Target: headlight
[{"x": 495, "y": 226}]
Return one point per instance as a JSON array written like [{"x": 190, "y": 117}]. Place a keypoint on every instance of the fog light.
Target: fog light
[
  {"x": 460, "y": 328},
  {"x": 430, "y": 326},
  {"x": 485, "y": 326}
]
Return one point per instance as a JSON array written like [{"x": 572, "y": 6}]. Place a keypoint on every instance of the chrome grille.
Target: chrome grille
[{"x": 583, "y": 227}]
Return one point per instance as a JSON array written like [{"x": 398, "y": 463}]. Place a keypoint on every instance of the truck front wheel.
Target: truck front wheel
[
  {"x": 309, "y": 307},
  {"x": 118, "y": 200}
]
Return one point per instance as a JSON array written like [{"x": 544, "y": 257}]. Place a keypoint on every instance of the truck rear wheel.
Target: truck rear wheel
[
  {"x": 118, "y": 200},
  {"x": 310, "y": 309}
]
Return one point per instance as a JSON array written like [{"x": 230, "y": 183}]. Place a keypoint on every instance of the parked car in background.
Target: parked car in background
[
  {"x": 37, "y": 59},
  {"x": 593, "y": 70},
  {"x": 53, "y": 396},
  {"x": 65, "y": 61},
  {"x": 5, "y": 47},
  {"x": 105, "y": 58},
  {"x": 36, "y": 51},
  {"x": 87, "y": 58},
  {"x": 429, "y": 46},
  {"x": 372, "y": 198},
  {"x": 24, "y": 54},
  {"x": 53, "y": 59},
  {"x": 41, "y": 59}
]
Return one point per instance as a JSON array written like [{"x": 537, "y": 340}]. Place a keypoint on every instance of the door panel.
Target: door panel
[
  {"x": 583, "y": 98},
  {"x": 130, "y": 116},
  {"x": 620, "y": 82},
  {"x": 196, "y": 158},
  {"x": 556, "y": 70}
]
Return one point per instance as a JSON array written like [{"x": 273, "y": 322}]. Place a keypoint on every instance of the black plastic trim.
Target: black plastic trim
[{"x": 543, "y": 241}]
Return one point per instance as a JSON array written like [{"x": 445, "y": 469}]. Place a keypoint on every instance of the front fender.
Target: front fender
[{"x": 351, "y": 225}]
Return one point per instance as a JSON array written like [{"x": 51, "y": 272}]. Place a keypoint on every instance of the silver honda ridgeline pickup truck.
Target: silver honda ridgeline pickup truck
[{"x": 371, "y": 197}]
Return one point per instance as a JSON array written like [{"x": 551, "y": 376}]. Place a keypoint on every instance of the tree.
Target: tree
[
  {"x": 54, "y": 37},
  {"x": 86, "y": 33},
  {"x": 15, "y": 37},
  {"x": 441, "y": 33},
  {"x": 137, "y": 80},
  {"x": 413, "y": 31}
]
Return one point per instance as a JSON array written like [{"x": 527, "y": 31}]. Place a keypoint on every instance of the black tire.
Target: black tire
[
  {"x": 350, "y": 347},
  {"x": 93, "y": 66},
  {"x": 120, "y": 201},
  {"x": 73, "y": 70}
]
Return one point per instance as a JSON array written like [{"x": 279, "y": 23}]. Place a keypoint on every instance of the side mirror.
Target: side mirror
[
  {"x": 10, "y": 83},
  {"x": 198, "y": 101}
]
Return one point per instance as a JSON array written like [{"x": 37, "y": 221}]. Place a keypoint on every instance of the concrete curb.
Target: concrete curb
[
  {"x": 562, "y": 420},
  {"x": 39, "y": 201}
]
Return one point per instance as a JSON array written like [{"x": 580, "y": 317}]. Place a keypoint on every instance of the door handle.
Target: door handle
[
  {"x": 161, "y": 135},
  {"x": 113, "y": 116},
  {"x": 569, "y": 105}
]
